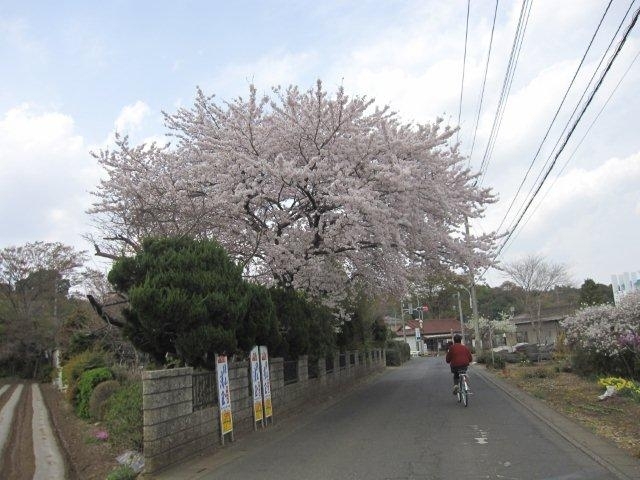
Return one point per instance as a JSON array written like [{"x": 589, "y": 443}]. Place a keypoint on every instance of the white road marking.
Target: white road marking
[
  {"x": 49, "y": 462},
  {"x": 482, "y": 439},
  {"x": 6, "y": 416},
  {"x": 3, "y": 389}
]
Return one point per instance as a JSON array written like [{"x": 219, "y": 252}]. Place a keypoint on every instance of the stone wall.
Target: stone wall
[{"x": 175, "y": 431}]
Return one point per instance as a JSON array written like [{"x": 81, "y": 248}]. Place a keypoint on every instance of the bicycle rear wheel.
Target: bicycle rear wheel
[
  {"x": 460, "y": 390},
  {"x": 464, "y": 393}
]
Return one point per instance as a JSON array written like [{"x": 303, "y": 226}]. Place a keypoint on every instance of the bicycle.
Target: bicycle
[{"x": 463, "y": 388}]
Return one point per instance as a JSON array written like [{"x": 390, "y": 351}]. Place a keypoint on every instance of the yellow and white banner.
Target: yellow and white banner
[
  {"x": 224, "y": 395},
  {"x": 256, "y": 384},
  {"x": 266, "y": 382}
]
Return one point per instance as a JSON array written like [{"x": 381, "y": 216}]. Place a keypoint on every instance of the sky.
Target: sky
[{"x": 74, "y": 73}]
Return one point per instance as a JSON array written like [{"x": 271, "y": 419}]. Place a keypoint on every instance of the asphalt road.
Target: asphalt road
[{"x": 406, "y": 424}]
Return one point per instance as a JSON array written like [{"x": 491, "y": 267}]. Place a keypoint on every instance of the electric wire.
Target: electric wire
[
  {"x": 573, "y": 113},
  {"x": 573, "y": 127},
  {"x": 506, "y": 86},
  {"x": 464, "y": 63},
  {"x": 555, "y": 116},
  {"x": 507, "y": 95},
  {"x": 484, "y": 82},
  {"x": 564, "y": 166}
]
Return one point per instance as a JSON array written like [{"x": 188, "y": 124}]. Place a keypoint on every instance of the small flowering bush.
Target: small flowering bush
[
  {"x": 606, "y": 338},
  {"x": 622, "y": 385}
]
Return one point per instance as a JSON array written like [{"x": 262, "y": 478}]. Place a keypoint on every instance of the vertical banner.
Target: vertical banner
[
  {"x": 224, "y": 396},
  {"x": 266, "y": 382},
  {"x": 256, "y": 385}
]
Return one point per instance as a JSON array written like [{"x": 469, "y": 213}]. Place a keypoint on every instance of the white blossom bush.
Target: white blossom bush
[
  {"x": 503, "y": 325},
  {"x": 304, "y": 189},
  {"x": 606, "y": 338}
]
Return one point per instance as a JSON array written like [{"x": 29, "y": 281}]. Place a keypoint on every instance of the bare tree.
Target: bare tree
[{"x": 535, "y": 276}]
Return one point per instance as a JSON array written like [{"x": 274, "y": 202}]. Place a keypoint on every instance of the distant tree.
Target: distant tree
[
  {"x": 592, "y": 293},
  {"x": 305, "y": 189},
  {"x": 493, "y": 302},
  {"x": 35, "y": 302},
  {"x": 363, "y": 323},
  {"x": 535, "y": 275}
]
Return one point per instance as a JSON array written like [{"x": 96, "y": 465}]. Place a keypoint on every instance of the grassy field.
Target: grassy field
[{"x": 616, "y": 418}]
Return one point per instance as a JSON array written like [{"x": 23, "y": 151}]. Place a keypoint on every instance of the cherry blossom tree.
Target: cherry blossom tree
[{"x": 304, "y": 189}]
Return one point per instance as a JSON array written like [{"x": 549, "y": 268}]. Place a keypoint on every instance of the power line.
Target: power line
[
  {"x": 508, "y": 79},
  {"x": 574, "y": 151},
  {"x": 464, "y": 63},
  {"x": 573, "y": 127},
  {"x": 555, "y": 116},
  {"x": 573, "y": 113},
  {"x": 484, "y": 81}
]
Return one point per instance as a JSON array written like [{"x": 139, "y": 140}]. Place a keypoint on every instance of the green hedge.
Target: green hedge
[
  {"x": 123, "y": 417},
  {"x": 86, "y": 384},
  {"x": 397, "y": 353}
]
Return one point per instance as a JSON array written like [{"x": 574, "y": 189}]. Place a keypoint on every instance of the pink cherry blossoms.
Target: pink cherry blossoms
[{"x": 305, "y": 189}]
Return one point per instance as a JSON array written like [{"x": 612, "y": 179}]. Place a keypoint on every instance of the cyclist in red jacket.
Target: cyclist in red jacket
[{"x": 459, "y": 357}]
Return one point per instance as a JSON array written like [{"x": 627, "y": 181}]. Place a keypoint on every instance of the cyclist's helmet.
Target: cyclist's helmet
[{"x": 457, "y": 338}]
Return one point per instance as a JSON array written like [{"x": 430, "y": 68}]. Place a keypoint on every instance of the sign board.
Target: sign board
[
  {"x": 417, "y": 333},
  {"x": 224, "y": 395},
  {"x": 256, "y": 384},
  {"x": 266, "y": 382}
]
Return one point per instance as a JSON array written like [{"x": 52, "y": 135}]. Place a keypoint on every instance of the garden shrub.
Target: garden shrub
[
  {"x": 482, "y": 357},
  {"x": 393, "y": 357},
  {"x": 86, "y": 384},
  {"x": 123, "y": 472},
  {"x": 123, "y": 417},
  {"x": 397, "y": 353},
  {"x": 100, "y": 395},
  {"x": 77, "y": 365},
  {"x": 497, "y": 362},
  {"x": 605, "y": 339}
]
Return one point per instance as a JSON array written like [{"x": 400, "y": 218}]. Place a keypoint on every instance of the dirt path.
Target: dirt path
[
  {"x": 28, "y": 446},
  {"x": 49, "y": 462}
]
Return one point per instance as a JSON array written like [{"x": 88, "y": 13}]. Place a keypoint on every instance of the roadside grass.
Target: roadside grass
[{"x": 615, "y": 418}]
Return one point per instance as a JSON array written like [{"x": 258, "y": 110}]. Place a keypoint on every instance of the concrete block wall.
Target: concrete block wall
[
  {"x": 173, "y": 431},
  {"x": 276, "y": 371},
  {"x": 241, "y": 396}
]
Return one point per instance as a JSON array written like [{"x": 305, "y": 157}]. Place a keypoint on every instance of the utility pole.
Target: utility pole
[
  {"x": 472, "y": 287},
  {"x": 404, "y": 331},
  {"x": 461, "y": 318}
]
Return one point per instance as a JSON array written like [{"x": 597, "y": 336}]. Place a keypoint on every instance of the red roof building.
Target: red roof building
[{"x": 434, "y": 333}]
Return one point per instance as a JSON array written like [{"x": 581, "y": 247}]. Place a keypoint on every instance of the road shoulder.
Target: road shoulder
[{"x": 617, "y": 461}]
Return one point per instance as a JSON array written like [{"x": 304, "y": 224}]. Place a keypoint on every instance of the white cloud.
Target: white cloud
[
  {"x": 132, "y": 116},
  {"x": 588, "y": 220},
  {"x": 23, "y": 130},
  {"x": 43, "y": 193}
]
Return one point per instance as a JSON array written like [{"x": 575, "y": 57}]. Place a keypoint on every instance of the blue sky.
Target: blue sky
[{"x": 75, "y": 72}]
